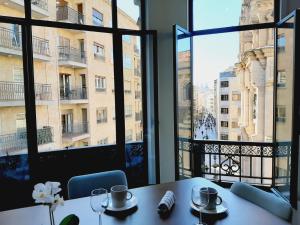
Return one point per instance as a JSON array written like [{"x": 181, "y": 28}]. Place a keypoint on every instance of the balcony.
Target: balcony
[
  {"x": 11, "y": 45},
  {"x": 227, "y": 161},
  {"x": 39, "y": 8},
  {"x": 12, "y": 94},
  {"x": 69, "y": 15},
  {"x": 73, "y": 96},
  {"x": 16, "y": 142},
  {"x": 71, "y": 57},
  {"x": 76, "y": 132}
]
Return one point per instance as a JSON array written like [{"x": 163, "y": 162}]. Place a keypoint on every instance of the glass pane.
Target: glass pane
[
  {"x": 97, "y": 13},
  {"x": 284, "y": 104},
  {"x": 13, "y": 134},
  {"x": 13, "y": 8},
  {"x": 233, "y": 93},
  {"x": 215, "y": 13},
  {"x": 184, "y": 101},
  {"x": 74, "y": 86},
  {"x": 129, "y": 14}
]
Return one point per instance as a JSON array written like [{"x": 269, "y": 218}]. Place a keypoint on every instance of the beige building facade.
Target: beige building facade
[{"x": 74, "y": 78}]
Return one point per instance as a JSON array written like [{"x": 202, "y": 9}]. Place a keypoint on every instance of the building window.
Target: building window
[
  {"x": 102, "y": 115},
  {"x": 234, "y": 124},
  {"x": 100, "y": 83},
  {"x": 224, "y": 110},
  {"x": 224, "y": 137},
  {"x": 254, "y": 106},
  {"x": 127, "y": 86},
  {"x": 18, "y": 74},
  {"x": 97, "y": 18},
  {"x": 128, "y": 111},
  {"x": 127, "y": 62},
  {"x": 99, "y": 52},
  {"x": 280, "y": 114},
  {"x": 21, "y": 122},
  {"x": 224, "y": 97},
  {"x": 281, "y": 79},
  {"x": 126, "y": 38},
  {"x": 128, "y": 136},
  {"x": 103, "y": 141},
  {"x": 187, "y": 91},
  {"x": 239, "y": 138},
  {"x": 224, "y": 123},
  {"x": 236, "y": 97},
  {"x": 281, "y": 42},
  {"x": 224, "y": 84}
]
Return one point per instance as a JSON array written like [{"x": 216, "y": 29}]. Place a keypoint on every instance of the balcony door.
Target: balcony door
[
  {"x": 65, "y": 85},
  {"x": 67, "y": 123}
]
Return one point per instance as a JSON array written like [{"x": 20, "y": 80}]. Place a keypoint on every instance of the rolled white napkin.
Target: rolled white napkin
[{"x": 166, "y": 203}]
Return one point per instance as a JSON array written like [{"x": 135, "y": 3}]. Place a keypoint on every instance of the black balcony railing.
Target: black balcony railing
[
  {"x": 67, "y": 53},
  {"x": 73, "y": 94},
  {"x": 226, "y": 161},
  {"x": 43, "y": 4},
  {"x": 14, "y": 91},
  {"x": 18, "y": 141},
  {"x": 13, "y": 40},
  {"x": 65, "y": 13},
  {"x": 75, "y": 129}
]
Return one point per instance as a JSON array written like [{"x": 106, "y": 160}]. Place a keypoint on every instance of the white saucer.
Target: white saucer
[
  {"x": 131, "y": 203},
  {"x": 218, "y": 210}
]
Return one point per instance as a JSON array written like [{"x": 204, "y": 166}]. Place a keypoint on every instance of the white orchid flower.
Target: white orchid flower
[
  {"x": 42, "y": 194},
  {"x": 54, "y": 187},
  {"x": 57, "y": 201}
]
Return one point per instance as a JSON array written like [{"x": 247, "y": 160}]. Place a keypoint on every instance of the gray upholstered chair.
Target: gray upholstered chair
[
  {"x": 266, "y": 200},
  {"x": 81, "y": 186}
]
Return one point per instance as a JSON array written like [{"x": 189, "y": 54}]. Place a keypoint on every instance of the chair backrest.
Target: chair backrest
[{"x": 81, "y": 186}]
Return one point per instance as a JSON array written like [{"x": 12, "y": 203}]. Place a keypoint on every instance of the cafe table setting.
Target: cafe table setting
[{"x": 174, "y": 203}]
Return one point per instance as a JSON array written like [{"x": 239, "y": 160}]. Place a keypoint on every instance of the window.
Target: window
[
  {"x": 224, "y": 84},
  {"x": 280, "y": 114},
  {"x": 128, "y": 111},
  {"x": 21, "y": 122},
  {"x": 281, "y": 42},
  {"x": 234, "y": 124},
  {"x": 18, "y": 74},
  {"x": 127, "y": 62},
  {"x": 224, "y": 97},
  {"x": 103, "y": 141},
  {"x": 239, "y": 138},
  {"x": 102, "y": 115},
  {"x": 129, "y": 136},
  {"x": 224, "y": 110},
  {"x": 100, "y": 83},
  {"x": 224, "y": 123},
  {"x": 99, "y": 52},
  {"x": 236, "y": 97},
  {"x": 97, "y": 18},
  {"x": 224, "y": 137},
  {"x": 127, "y": 86},
  {"x": 281, "y": 79},
  {"x": 187, "y": 91}
]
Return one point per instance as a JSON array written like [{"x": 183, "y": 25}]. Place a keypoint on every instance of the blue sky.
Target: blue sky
[
  {"x": 215, "y": 53},
  {"x": 130, "y": 8}
]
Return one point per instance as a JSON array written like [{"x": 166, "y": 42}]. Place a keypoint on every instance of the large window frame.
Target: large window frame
[
  {"x": 148, "y": 54},
  {"x": 195, "y": 168}
]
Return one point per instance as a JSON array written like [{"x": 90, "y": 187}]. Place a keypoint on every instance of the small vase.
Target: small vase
[{"x": 52, "y": 222}]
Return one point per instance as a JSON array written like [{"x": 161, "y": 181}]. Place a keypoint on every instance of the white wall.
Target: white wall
[{"x": 162, "y": 14}]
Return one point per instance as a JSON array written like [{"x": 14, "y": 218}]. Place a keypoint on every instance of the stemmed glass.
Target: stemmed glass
[
  {"x": 200, "y": 199},
  {"x": 99, "y": 201}
]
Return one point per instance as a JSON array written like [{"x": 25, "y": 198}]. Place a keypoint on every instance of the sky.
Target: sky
[
  {"x": 130, "y": 8},
  {"x": 215, "y": 53}
]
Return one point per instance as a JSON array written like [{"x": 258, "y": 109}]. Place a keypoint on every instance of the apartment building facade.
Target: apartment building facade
[{"x": 74, "y": 78}]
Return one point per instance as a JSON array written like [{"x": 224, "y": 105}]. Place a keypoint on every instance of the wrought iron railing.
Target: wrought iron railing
[
  {"x": 18, "y": 141},
  {"x": 73, "y": 94},
  {"x": 227, "y": 161},
  {"x": 67, "y": 53},
  {"x": 75, "y": 129},
  {"x": 66, "y": 13},
  {"x": 14, "y": 91},
  {"x": 13, "y": 40},
  {"x": 43, "y": 4}
]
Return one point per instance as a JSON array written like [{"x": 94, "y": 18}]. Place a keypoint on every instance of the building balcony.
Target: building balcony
[
  {"x": 11, "y": 44},
  {"x": 39, "y": 8},
  {"x": 228, "y": 161},
  {"x": 69, "y": 15},
  {"x": 16, "y": 142},
  {"x": 12, "y": 94},
  {"x": 73, "y": 96},
  {"x": 76, "y": 132},
  {"x": 71, "y": 57}
]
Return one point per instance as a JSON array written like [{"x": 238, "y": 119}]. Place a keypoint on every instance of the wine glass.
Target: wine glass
[
  {"x": 99, "y": 201},
  {"x": 200, "y": 199}
]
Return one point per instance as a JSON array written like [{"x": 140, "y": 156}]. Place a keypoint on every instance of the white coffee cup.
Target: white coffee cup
[{"x": 119, "y": 195}]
